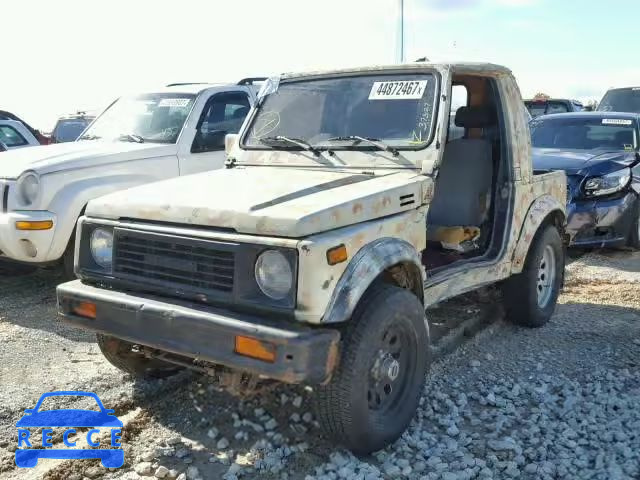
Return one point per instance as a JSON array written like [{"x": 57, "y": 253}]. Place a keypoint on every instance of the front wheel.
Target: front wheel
[
  {"x": 634, "y": 234},
  {"x": 375, "y": 390},
  {"x": 530, "y": 297},
  {"x": 121, "y": 355},
  {"x": 68, "y": 259}
]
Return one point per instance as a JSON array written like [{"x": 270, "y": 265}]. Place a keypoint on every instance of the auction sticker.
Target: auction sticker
[
  {"x": 398, "y": 90},
  {"x": 616, "y": 121},
  {"x": 174, "y": 102}
]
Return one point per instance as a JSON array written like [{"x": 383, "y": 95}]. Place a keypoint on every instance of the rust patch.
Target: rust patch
[
  {"x": 357, "y": 208},
  {"x": 332, "y": 361}
]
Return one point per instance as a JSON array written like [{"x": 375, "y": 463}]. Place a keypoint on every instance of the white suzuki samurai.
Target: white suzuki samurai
[{"x": 345, "y": 210}]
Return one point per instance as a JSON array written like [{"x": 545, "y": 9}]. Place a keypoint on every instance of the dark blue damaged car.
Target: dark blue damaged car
[{"x": 600, "y": 154}]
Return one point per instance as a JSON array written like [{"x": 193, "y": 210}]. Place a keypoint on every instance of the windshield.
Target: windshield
[
  {"x": 69, "y": 130},
  {"x": 544, "y": 107},
  {"x": 330, "y": 113},
  {"x": 621, "y": 100},
  {"x": 156, "y": 117},
  {"x": 584, "y": 133}
]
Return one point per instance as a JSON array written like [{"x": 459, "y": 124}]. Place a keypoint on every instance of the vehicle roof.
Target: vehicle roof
[
  {"x": 196, "y": 88},
  {"x": 464, "y": 66},
  {"x": 12, "y": 123},
  {"x": 76, "y": 116},
  {"x": 631, "y": 87},
  {"x": 622, "y": 115},
  {"x": 553, "y": 100}
]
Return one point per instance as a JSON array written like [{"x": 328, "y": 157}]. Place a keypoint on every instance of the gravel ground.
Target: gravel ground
[{"x": 562, "y": 401}]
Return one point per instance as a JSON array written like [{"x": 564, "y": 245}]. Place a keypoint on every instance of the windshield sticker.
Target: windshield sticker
[
  {"x": 628, "y": 147},
  {"x": 616, "y": 121},
  {"x": 174, "y": 102},
  {"x": 400, "y": 90},
  {"x": 269, "y": 86}
]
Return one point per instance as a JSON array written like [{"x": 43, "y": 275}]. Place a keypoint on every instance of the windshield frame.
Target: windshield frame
[
  {"x": 344, "y": 146},
  {"x": 635, "y": 125},
  {"x": 194, "y": 97}
]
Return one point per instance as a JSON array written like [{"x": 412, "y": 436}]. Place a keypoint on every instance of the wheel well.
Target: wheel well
[
  {"x": 558, "y": 220},
  {"x": 73, "y": 232},
  {"x": 404, "y": 275}
]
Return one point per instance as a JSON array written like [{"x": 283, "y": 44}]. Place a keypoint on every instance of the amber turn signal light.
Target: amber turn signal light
[
  {"x": 85, "y": 309},
  {"x": 42, "y": 225},
  {"x": 337, "y": 255},
  {"x": 254, "y": 348}
]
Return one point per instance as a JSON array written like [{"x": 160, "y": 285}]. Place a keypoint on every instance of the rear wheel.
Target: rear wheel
[
  {"x": 530, "y": 297},
  {"x": 375, "y": 390},
  {"x": 121, "y": 355}
]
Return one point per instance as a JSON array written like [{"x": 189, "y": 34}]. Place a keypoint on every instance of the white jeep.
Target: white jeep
[
  {"x": 176, "y": 131},
  {"x": 345, "y": 211}
]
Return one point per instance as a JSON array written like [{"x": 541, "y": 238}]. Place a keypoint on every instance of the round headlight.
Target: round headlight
[
  {"x": 273, "y": 274},
  {"x": 29, "y": 187},
  {"x": 101, "y": 244}
]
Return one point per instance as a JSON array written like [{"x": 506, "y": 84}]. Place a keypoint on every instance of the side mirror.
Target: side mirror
[{"x": 230, "y": 141}]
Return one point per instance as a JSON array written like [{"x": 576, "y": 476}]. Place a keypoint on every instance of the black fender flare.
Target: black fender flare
[{"x": 367, "y": 265}]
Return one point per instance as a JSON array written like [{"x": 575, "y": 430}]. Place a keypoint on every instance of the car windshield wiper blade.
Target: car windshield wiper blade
[
  {"x": 372, "y": 141},
  {"x": 293, "y": 141},
  {"x": 131, "y": 137},
  {"x": 89, "y": 137}
]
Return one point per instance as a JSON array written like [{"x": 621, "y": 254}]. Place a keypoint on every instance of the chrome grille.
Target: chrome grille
[{"x": 179, "y": 264}]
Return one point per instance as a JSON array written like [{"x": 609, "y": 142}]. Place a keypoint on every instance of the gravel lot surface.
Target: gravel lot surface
[{"x": 562, "y": 401}]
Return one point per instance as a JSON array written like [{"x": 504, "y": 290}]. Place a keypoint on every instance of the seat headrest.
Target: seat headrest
[
  {"x": 241, "y": 112},
  {"x": 476, "y": 117}
]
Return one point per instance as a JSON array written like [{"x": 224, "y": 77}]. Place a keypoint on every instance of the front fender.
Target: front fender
[
  {"x": 74, "y": 196},
  {"x": 370, "y": 261},
  {"x": 538, "y": 212}
]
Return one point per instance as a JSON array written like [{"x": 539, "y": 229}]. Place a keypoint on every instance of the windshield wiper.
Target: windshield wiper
[
  {"x": 294, "y": 141},
  {"x": 131, "y": 137},
  {"x": 372, "y": 141},
  {"x": 89, "y": 137}
]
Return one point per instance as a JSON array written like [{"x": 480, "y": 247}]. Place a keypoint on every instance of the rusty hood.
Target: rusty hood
[{"x": 274, "y": 201}]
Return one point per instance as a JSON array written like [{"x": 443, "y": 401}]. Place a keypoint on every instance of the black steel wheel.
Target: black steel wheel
[{"x": 375, "y": 390}]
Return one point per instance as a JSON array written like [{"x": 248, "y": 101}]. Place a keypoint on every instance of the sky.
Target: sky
[{"x": 74, "y": 55}]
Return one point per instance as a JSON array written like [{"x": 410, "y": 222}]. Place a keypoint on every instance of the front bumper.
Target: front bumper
[
  {"x": 602, "y": 222},
  {"x": 303, "y": 354},
  {"x": 31, "y": 246}
]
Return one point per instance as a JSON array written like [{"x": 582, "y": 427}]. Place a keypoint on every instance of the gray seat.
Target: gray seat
[{"x": 463, "y": 186}]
